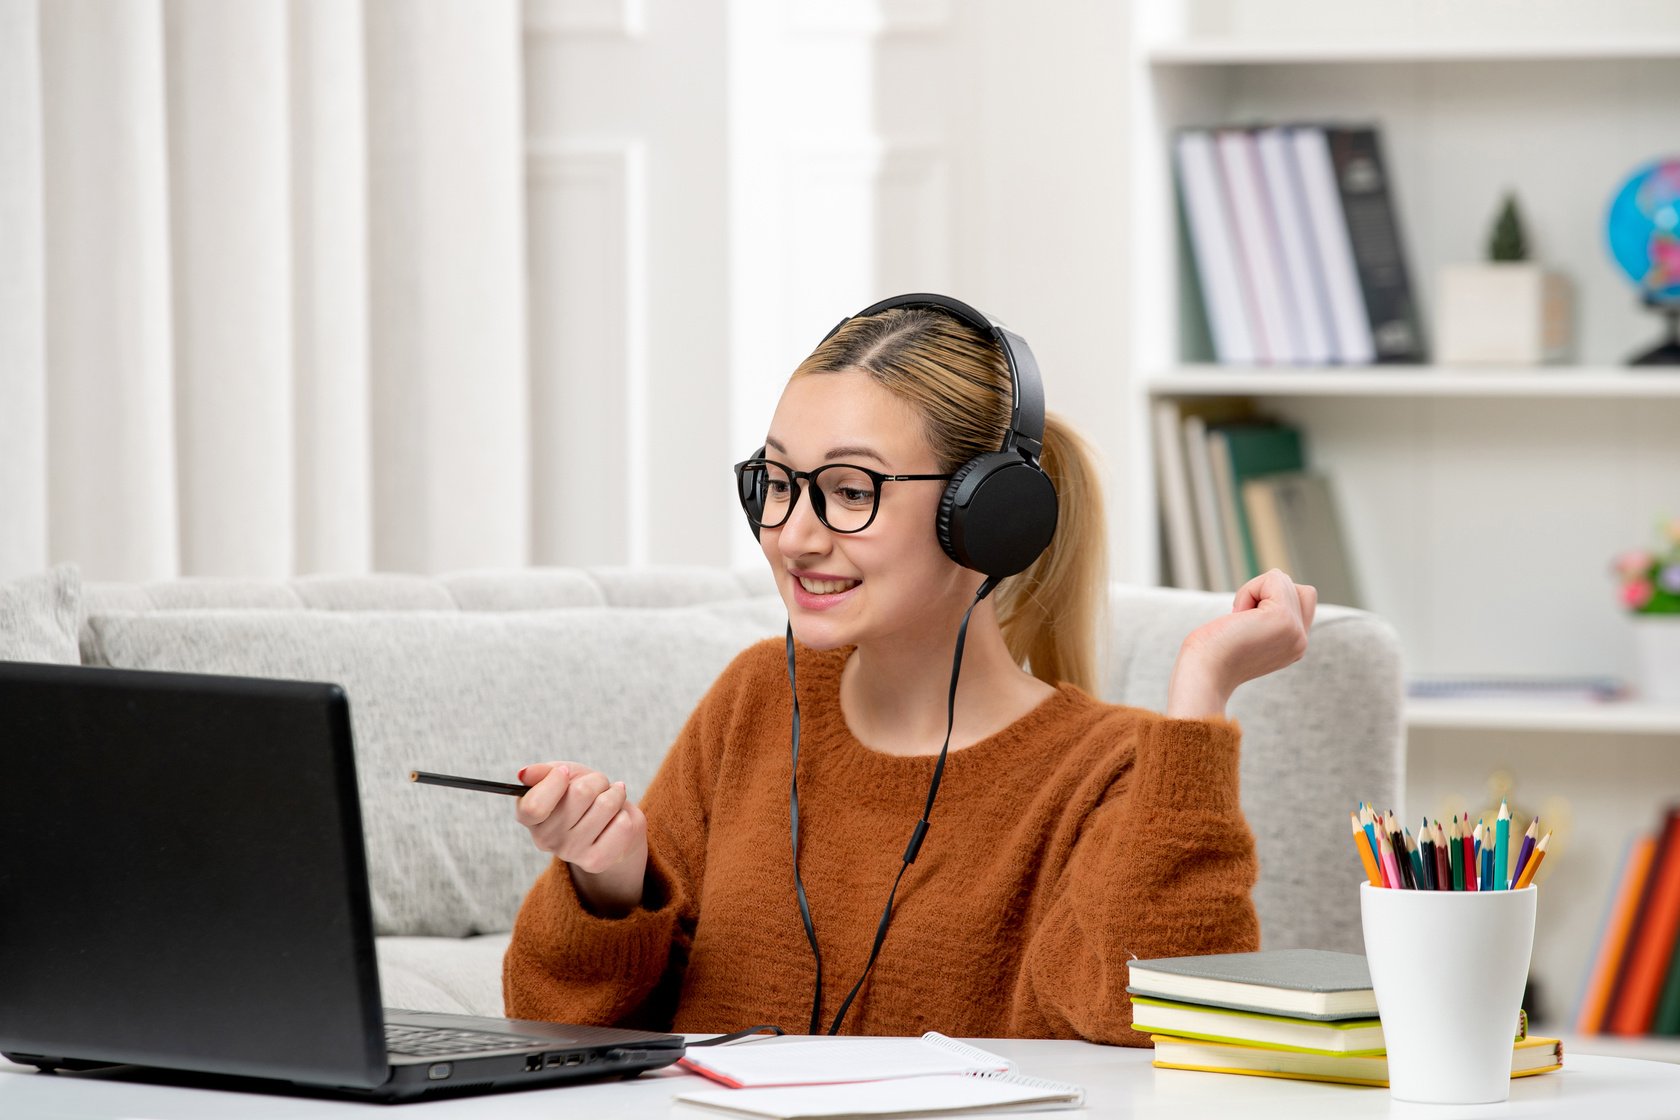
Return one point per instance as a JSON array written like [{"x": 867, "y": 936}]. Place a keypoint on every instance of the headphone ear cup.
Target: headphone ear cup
[
  {"x": 752, "y": 500},
  {"x": 997, "y": 514}
]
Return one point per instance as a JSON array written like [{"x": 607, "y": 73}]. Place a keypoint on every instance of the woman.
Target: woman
[{"x": 1069, "y": 836}]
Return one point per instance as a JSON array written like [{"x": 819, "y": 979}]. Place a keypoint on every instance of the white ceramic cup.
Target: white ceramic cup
[{"x": 1448, "y": 968}]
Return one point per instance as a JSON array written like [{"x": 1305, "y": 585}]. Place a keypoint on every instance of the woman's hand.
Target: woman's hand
[
  {"x": 1266, "y": 630},
  {"x": 590, "y": 823}
]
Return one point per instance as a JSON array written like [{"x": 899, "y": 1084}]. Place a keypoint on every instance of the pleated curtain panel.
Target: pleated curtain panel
[{"x": 263, "y": 288}]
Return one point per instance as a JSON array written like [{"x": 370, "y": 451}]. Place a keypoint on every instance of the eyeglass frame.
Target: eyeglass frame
[{"x": 819, "y": 504}]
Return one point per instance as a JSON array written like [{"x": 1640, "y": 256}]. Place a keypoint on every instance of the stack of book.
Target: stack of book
[
  {"x": 1296, "y": 246},
  {"x": 1237, "y": 499},
  {"x": 1633, "y": 985},
  {"x": 1308, "y": 1014}
]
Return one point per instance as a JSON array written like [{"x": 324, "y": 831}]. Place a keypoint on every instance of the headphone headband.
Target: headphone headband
[{"x": 1026, "y": 408}]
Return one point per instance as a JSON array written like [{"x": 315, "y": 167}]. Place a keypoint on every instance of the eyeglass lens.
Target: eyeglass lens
[{"x": 844, "y": 495}]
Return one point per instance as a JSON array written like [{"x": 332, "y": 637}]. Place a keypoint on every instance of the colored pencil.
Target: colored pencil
[
  {"x": 1469, "y": 861},
  {"x": 1527, "y": 848},
  {"x": 1426, "y": 855},
  {"x": 1367, "y": 822},
  {"x": 1443, "y": 870},
  {"x": 1366, "y": 855},
  {"x": 1487, "y": 870},
  {"x": 1502, "y": 847},
  {"x": 1390, "y": 864},
  {"x": 1535, "y": 857},
  {"x": 1419, "y": 882},
  {"x": 1455, "y": 855}
]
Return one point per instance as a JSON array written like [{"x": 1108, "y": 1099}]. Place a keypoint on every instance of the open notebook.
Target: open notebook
[{"x": 822, "y": 1079}]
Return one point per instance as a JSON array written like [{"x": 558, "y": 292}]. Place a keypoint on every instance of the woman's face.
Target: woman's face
[{"x": 891, "y": 580}]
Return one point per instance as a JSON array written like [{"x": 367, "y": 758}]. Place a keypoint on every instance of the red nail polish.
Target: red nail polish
[{"x": 522, "y": 770}]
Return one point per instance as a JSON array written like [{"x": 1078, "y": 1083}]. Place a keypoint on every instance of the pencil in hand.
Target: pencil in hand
[{"x": 483, "y": 785}]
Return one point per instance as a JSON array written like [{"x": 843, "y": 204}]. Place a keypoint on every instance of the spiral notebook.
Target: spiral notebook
[
  {"x": 830, "y": 1078},
  {"x": 968, "y": 1093}
]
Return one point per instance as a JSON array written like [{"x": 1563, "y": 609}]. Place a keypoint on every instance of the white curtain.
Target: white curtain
[{"x": 263, "y": 287}]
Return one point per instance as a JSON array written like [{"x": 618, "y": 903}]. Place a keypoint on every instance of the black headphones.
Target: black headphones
[{"x": 998, "y": 512}]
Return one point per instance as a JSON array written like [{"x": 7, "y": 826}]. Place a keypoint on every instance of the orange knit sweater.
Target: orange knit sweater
[{"x": 1075, "y": 839}]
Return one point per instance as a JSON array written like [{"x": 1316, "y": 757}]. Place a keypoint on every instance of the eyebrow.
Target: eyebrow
[{"x": 834, "y": 453}]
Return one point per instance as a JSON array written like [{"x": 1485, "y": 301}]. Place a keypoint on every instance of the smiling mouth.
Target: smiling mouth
[{"x": 827, "y": 586}]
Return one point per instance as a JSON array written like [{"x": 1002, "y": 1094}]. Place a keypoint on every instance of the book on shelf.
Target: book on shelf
[
  {"x": 1611, "y": 947},
  {"x": 1237, "y": 452},
  {"x": 1565, "y": 689},
  {"x": 1651, "y": 938},
  {"x": 1302, "y": 983},
  {"x": 1214, "y": 252},
  {"x": 1178, "y": 512},
  {"x": 1295, "y": 242},
  {"x": 1370, "y": 214},
  {"x": 1276, "y": 333},
  {"x": 1292, "y": 518},
  {"x": 1305, "y": 280},
  {"x": 1532, "y": 1055}
]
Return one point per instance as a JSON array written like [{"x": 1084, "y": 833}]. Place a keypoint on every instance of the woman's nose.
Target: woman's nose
[{"x": 803, "y": 532}]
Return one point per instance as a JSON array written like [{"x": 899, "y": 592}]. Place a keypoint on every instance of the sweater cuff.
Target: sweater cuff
[
  {"x": 1189, "y": 764},
  {"x": 608, "y": 948}
]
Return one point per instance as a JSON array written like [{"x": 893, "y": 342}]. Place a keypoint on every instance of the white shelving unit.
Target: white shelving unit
[{"x": 1482, "y": 506}]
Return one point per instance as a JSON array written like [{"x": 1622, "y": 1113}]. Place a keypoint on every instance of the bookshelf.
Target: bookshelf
[{"x": 1482, "y": 506}]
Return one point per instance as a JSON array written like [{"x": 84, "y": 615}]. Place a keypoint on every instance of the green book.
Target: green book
[
  {"x": 1667, "y": 1020},
  {"x": 1240, "y": 452}
]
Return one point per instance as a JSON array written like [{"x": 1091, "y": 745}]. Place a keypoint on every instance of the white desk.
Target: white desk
[{"x": 1118, "y": 1082}]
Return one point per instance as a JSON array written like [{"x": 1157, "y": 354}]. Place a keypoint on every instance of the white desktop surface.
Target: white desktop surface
[{"x": 1118, "y": 1081}]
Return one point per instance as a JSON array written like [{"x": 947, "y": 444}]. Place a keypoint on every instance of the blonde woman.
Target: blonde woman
[{"x": 1068, "y": 836}]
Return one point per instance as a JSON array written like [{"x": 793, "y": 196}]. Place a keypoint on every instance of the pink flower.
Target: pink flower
[
  {"x": 1637, "y": 593},
  {"x": 1634, "y": 564}
]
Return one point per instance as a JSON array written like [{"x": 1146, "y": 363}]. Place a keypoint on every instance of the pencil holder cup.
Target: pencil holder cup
[{"x": 1448, "y": 968}]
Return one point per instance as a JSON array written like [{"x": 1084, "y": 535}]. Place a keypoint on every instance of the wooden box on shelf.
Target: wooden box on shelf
[{"x": 1506, "y": 313}]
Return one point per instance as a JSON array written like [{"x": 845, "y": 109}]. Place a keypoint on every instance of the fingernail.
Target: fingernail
[{"x": 521, "y": 774}]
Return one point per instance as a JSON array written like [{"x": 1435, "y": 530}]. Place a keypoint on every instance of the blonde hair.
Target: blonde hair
[{"x": 957, "y": 381}]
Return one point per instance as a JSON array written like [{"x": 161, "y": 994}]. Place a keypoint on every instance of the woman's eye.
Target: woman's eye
[
  {"x": 775, "y": 488},
  {"x": 854, "y": 495}
]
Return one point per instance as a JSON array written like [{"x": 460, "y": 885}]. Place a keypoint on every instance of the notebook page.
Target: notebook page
[
  {"x": 920, "y": 1096},
  {"x": 829, "y": 1061}
]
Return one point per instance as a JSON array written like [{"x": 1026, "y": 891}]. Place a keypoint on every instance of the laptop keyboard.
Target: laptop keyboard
[{"x": 428, "y": 1042}]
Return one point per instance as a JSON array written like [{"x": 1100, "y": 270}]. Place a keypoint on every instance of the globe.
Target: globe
[{"x": 1644, "y": 230}]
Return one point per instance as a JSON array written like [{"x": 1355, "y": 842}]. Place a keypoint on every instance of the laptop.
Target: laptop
[{"x": 183, "y": 887}]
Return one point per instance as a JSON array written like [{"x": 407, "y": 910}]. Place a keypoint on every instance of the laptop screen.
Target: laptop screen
[{"x": 182, "y": 879}]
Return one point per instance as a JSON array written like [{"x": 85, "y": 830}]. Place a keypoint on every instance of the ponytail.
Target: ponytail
[{"x": 1051, "y": 613}]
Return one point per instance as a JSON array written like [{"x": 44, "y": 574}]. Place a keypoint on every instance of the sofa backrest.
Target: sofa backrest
[{"x": 481, "y": 672}]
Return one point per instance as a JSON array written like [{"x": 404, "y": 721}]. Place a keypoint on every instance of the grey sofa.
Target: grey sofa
[{"x": 481, "y": 672}]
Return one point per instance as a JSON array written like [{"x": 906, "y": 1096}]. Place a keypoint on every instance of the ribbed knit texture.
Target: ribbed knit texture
[{"x": 1075, "y": 839}]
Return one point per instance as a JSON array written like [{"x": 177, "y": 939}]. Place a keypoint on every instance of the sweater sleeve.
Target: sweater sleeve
[
  {"x": 1163, "y": 865},
  {"x": 568, "y": 964}
]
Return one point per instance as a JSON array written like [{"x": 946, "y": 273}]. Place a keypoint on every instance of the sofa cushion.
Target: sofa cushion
[
  {"x": 469, "y": 693},
  {"x": 39, "y": 616}
]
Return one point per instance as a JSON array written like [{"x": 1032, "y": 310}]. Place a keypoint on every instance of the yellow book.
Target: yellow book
[{"x": 1531, "y": 1056}]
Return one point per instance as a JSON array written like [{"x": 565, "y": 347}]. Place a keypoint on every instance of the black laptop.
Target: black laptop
[{"x": 183, "y": 886}]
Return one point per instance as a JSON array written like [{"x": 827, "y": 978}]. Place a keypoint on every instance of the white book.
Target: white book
[
  {"x": 1350, "y": 324},
  {"x": 1213, "y": 243},
  {"x": 826, "y": 1061},
  {"x": 1300, "y": 256},
  {"x": 1268, "y": 284},
  {"x": 1178, "y": 511},
  {"x": 1215, "y": 558}
]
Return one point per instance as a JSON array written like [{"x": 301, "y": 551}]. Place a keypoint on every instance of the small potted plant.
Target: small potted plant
[
  {"x": 1507, "y": 310},
  {"x": 1650, "y": 589}
]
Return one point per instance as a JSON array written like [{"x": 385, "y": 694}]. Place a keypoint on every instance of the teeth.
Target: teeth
[{"x": 827, "y": 586}]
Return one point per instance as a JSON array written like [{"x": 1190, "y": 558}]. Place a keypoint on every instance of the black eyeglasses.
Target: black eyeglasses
[{"x": 845, "y": 496}]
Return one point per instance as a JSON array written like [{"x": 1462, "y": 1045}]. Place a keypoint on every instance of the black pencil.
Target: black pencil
[{"x": 483, "y": 785}]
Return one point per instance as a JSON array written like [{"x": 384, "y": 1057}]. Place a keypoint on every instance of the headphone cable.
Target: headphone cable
[{"x": 911, "y": 850}]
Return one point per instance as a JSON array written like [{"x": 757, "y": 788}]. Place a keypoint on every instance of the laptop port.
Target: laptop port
[
  {"x": 574, "y": 1059},
  {"x": 533, "y": 1061},
  {"x": 552, "y": 1061}
]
